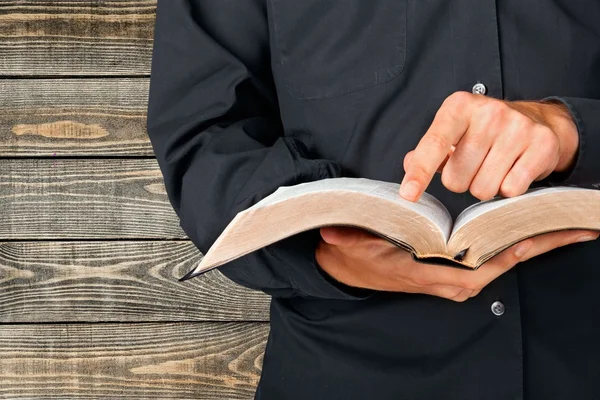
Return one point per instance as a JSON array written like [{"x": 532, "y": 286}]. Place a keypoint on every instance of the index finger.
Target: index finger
[{"x": 450, "y": 123}]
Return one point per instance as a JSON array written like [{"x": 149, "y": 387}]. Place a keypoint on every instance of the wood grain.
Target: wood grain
[
  {"x": 74, "y": 117},
  {"x": 141, "y": 361},
  {"x": 90, "y": 249},
  {"x": 86, "y": 37},
  {"x": 84, "y": 199},
  {"x": 124, "y": 281}
]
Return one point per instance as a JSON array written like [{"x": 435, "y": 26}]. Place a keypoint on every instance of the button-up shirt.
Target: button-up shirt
[{"x": 247, "y": 96}]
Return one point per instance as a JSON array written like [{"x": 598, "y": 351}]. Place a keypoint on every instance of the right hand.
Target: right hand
[{"x": 357, "y": 258}]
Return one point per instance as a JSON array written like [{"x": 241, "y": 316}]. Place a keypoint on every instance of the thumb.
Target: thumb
[
  {"x": 342, "y": 236},
  {"x": 550, "y": 241}
]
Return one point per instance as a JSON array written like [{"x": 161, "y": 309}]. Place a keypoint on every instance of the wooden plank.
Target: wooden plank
[
  {"x": 84, "y": 199},
  {"x": 87, "y": 37},
  {"x": 124, "y": 281},
  {"x": 74, "y": 117},
  {"x": 182, "y": 361}
]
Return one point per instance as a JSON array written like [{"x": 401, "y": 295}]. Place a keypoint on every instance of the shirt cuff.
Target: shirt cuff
[
  {"x": 297, "y": 254},
  {"x": 585, "y": 171},
  {"x": 306, "y": 275}
]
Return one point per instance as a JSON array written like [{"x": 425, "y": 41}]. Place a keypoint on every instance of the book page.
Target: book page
[
  {"x": 427, "y": 206},
  {"x": 487, "y": 228},
  {"x": 483, "y": 207},
  {"x": 332, "y": 184}
]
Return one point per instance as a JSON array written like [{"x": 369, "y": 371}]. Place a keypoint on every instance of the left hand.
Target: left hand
[
  {"x": 359, "y": 259},
  {"x": 490, "y": 146}
]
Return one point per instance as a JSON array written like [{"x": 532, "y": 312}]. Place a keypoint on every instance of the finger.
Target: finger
[
  {"x": 550, "y": 241},
  {"x": 450, "y": 123},
  {"x": 498, "y": 162},
  {"x": 354, "y": 238},
  {"x": 453, "y": 293},
  {"x": 464, "y": 295},
  {"x": 538, "y": 160},
  {"x": 470, "y": 153},
  {"x": 409, "y": 155},
  {"x": 473, "y": 280},
  {"x": 438, "y": 290},
  {"x": 407, "y": 160},
  {"x": 343, "y": 236}
]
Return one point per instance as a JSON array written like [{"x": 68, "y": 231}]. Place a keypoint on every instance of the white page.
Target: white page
[
  {"x": 427, "y": 206},
  {"x": 480, "y": 208}
]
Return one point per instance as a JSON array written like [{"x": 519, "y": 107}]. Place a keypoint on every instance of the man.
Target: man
[{"x": 498, "y": 96}]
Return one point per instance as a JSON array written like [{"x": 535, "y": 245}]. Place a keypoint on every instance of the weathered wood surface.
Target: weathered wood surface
[
  {"x": 84, "y": 199},
  {"x": 123, "y": 281},
  {"x": 84, "y": 37},
  {"x": 96, "y": 311},
  {"x": 182, "y": 361},
  {"x": 74, "y": 117}
]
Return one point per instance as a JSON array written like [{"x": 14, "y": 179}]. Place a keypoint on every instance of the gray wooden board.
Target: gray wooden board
[
  {"x": 74, "y": 117},
  {"x": 84, "y": 37},
  {"x": 124, "y": 281},
  {"x": 107, "y": 318},
  {"x": 136, "y": 361},
  {"x": 84, "y": 199}
]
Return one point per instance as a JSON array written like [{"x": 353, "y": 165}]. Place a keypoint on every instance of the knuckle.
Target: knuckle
[
  {"x": 494, "y": 109},
  {"x": 462, "y": 296},
  {"x": 419, "y": 171},
  {"x": 513, "y": 135},
  {"x": 549, "y": 147},
  {"x": 481, "y": 192},
  {"x": 437, "y": 141},
  {"x": 476, "y": 142},
  {"x": 460, "y": 299},
  {"x": 407, "y": 159},
  {"x": 522, "y": 123},
  {"x": 524, "y": 173},
  {"x": 470, "y": 284},
  {"x": 449, "y": 292},
  {"x": 513, "y": 259},
  {"x": 457, "y": 100},
  {"x": 452, "y": 183},
  {"x": 508, "y": 191},
  {"x": 510, "y": 188},
  {"x": 544, "y": 133}
]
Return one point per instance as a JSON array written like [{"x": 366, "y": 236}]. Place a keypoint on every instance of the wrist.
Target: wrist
[{"x": 559, "y": 119}]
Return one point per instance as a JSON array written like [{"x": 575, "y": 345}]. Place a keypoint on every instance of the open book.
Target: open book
[{"x": 424, "y": 228}]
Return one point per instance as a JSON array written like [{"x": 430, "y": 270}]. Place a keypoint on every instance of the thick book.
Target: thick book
[{"x": 424, "y": 228}]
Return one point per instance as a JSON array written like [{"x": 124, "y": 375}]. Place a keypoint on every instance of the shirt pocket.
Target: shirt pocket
[{"x": 328, "y": 48}]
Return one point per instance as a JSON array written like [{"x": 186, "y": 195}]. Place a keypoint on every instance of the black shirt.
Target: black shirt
[{"x": 247, "y": 96}]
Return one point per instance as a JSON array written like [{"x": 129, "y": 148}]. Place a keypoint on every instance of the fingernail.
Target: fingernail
[
  {"x": 587, "y": 238},
  {"x": 409, "y": 190},
  {"x": 522, "y": 248}
]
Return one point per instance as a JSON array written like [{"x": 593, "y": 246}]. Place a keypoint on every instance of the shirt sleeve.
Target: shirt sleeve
[
  {"x": 214, "y": 125},
  {"x": 585, "y": 172}
]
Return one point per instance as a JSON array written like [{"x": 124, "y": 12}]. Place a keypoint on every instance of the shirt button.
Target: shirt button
[
  {"x": 498, "y": 308},
  {"x": 479, "y": 88}
]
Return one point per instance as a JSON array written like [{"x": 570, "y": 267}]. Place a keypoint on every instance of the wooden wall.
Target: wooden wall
[{"x": 90, "y": 249}]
